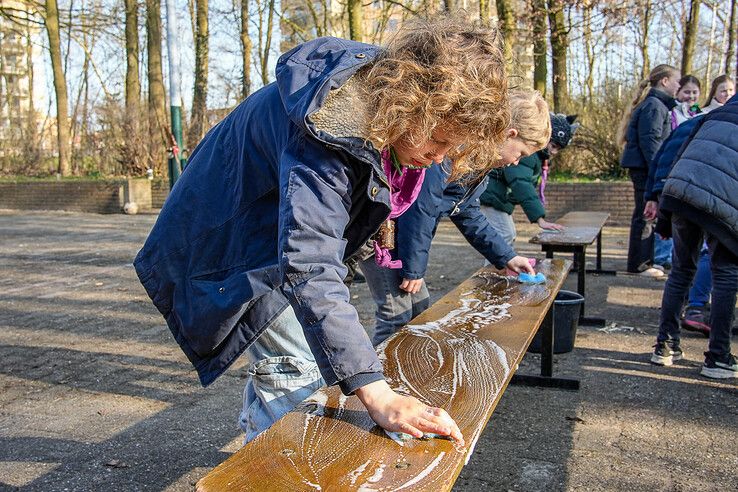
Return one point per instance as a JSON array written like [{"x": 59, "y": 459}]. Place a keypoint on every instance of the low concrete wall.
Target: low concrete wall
[{"x": 109, "y": 196}]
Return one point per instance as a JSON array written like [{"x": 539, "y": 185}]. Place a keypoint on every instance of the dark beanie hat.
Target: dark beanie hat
[{"x": 562, "y": 128}]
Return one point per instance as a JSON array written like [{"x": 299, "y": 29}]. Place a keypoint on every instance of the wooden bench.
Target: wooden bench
[
  {"x": 459, "y": 355},
  {"x": 582, "y": 229}
]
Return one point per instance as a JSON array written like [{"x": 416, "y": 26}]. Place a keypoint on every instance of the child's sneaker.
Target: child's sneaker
[
  {"x": 694, "y": 320},
  {"x": 666, "y": 353},
  {"x": 721, "y": 368}
]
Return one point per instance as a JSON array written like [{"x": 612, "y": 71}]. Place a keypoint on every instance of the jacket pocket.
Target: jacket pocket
[{"x": 217, "y": 301}]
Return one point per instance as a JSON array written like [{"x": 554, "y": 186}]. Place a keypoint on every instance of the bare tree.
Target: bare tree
[
  {"x": 484, "y": 12},
  {"x": 644, "y": 10},
  {"x": 246, "y": 46},
  {"x": 559, "y": 48},
  {"x": 51, "y": 21},
  {"x": 540, "y": 45},
  {"x": 506, "y": 17},
  {"x": 265, "y": 36},
  {"x": 690, "y": 35},
  {"x": 198, "y": 119},
  {"x": 157, "y": 114},
  {"x": 356, "y": 20},
  {"x": 730, "y": 52}
]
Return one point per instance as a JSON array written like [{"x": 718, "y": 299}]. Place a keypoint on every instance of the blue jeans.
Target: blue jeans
[
  {"x": 662, "y": 250},
  {"x": 688, "y": 239},
  {"x": 395, "y": 307},
  {"x": 282, "y": 374},
  {"x": 699, "y": 294},
  {"x": 502, "y": 223}
]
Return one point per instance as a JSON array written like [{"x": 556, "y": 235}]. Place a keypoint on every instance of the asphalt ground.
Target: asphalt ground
[{"x": 96, "y": 395}]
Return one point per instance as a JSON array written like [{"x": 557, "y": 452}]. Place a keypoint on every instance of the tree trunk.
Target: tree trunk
[
  {"x": 158, "y": 127},
  {"x": 588, "y": 49},
  {"x": 245, "y": 50},
  {"x": 267, "y": 45},
  {"x": 506, "y": 18},
  {"x": 60, "y": 85},
  {"x": 540, "y": 46},
  {"x": 133, "y": 84},
  {"x": 730, "y": 53},
  {"x": 559, "y": 46},
  {"x": 710, "y": 45},
  {"x": 484, "y": 12},
  {"x": 356, "y": 20},
  {"x": 198, "y": 120},
  {"x": 645, "y": 19},
  {"x": 690, "y": 36}
]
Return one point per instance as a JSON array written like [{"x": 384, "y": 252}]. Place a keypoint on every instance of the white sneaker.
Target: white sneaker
[
  {"x": 651, "y": 272},
  {"x": 658, "y": 267}
]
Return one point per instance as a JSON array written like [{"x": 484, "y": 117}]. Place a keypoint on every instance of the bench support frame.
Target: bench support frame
[{"x": 546, "y": 379}]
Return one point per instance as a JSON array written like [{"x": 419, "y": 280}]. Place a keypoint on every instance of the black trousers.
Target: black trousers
[{"x": 640, "y": 251}]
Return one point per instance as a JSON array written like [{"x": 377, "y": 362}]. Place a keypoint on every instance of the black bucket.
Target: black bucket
[{"x": 566, "y": 321}]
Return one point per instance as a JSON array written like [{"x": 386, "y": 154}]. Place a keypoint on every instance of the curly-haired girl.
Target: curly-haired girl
[{"x": 247, "y": 254}]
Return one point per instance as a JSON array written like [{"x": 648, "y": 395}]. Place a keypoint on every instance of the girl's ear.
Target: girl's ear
[
  {"x": 664, "y": 81},
  {"x": 512, "y": 133}
]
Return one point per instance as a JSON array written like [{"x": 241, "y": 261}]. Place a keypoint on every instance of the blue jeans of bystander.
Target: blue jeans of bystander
[{"x": 395, "y": 307}]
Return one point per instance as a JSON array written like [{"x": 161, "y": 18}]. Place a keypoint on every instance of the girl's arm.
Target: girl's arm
[{"x": 314, "y": 212}]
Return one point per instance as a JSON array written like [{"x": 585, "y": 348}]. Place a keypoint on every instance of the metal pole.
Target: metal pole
[{"x": 175, "y": 94}]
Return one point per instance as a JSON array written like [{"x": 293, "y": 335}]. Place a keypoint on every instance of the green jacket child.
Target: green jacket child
[{"x": 516, "y": 185}]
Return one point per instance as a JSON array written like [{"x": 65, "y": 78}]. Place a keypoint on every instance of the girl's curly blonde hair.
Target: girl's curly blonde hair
[
  {"x": 529, "y": 116},
  {"x": 442, "y": 73}
]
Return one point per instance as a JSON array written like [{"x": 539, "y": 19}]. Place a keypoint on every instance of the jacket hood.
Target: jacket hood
[{"x": 319, "y": 91}]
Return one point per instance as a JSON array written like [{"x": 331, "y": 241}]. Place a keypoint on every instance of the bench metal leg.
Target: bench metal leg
[
  {"x": 598, "y": 261},
  {"x": 580, "y": 256},
  {"x": 545, "y": 380}
]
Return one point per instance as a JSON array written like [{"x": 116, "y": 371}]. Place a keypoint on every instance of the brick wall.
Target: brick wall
[
  {"x": 159, "y": 192},
  {"x": 613, "y": 197},
  {"x": 103, "y": 197}
]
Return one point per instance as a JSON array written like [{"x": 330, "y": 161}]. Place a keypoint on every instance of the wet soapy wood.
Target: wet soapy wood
[
  {"x": 581, "y": 228},
  {"x": 459, "y": 355}
]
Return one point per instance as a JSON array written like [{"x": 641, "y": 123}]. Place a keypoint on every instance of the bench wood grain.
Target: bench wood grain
[
  {"x": 581, "y": 228},
  {"x": 459, "y": 355}
]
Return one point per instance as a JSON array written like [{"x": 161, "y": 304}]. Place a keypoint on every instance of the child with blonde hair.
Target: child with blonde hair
[
  {"x": 398, "y": 289},
  {"x": 516, "y": 185},
  {"x": 247, "y": 255}
]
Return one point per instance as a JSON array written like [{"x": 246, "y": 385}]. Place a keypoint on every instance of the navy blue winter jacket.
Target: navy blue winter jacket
[
  {"x": 665, "y": 158},
  {"x": 648, "y": 127},
  {"x": 274, "y": 198},
  {"x": 703, "y": 182},
  {"x": 439, "y": 198}
]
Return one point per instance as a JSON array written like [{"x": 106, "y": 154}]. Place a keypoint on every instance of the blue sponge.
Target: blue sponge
[{"x": 527, "y": 278}]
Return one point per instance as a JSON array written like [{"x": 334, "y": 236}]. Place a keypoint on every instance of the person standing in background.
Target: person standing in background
[
  {"x": 686, "y": 108},
  {"x": 644, "y": 127},
  {"x": 721, "y": 89}
]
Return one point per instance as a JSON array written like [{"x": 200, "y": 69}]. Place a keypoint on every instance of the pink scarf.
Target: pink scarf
[{"x": 404, "y": 189}]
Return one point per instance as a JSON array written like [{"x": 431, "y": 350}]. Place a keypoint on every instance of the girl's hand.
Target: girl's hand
[
  {"x": 520, "y": 264},
  {"x": 651, "y": 210},
  {"x": 411, "y": 286},
  {"x": 551, "y": 226},
  {"x": 397, "y": 413}
]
